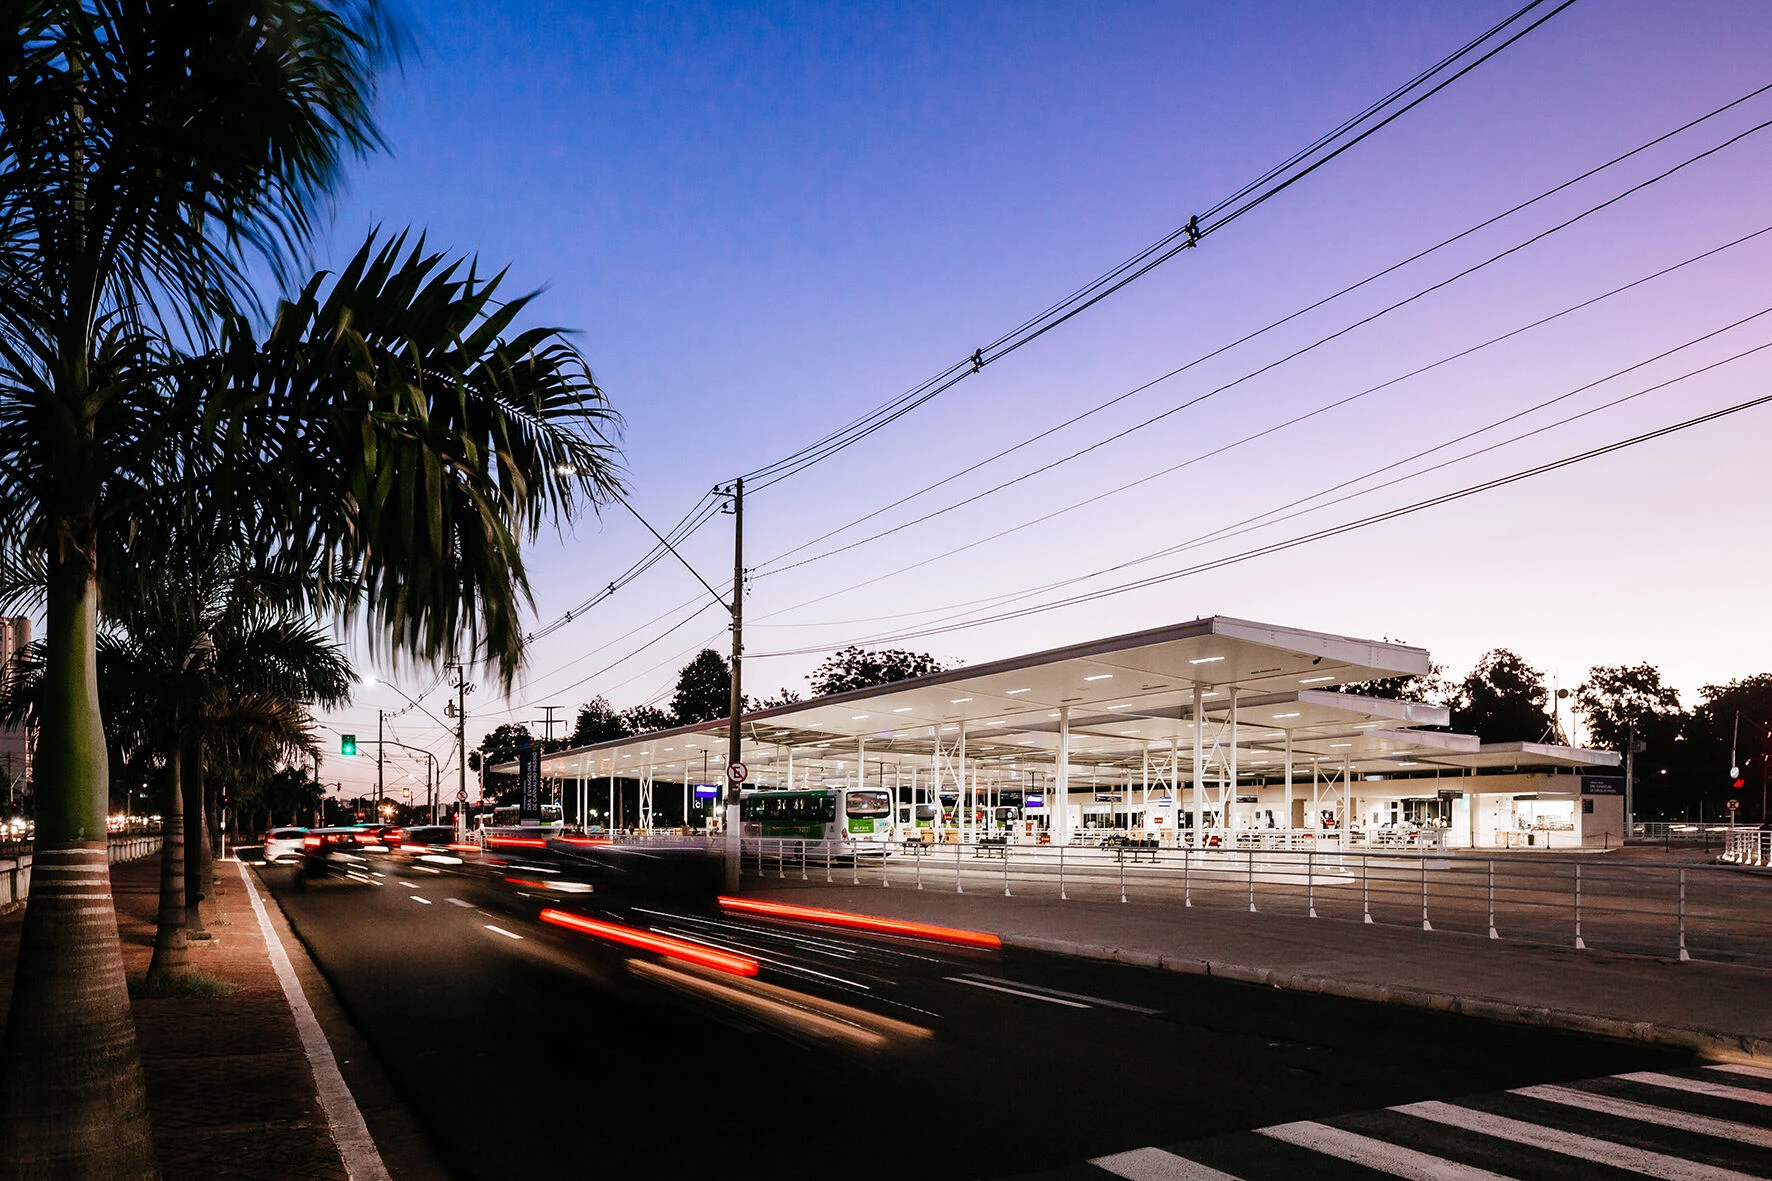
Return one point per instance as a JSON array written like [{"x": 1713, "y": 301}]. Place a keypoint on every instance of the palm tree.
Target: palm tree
[
  {"x": 146, "y": 154},
  {"x": 223, "y": 680},
  {"x": 392, "y": 430}
]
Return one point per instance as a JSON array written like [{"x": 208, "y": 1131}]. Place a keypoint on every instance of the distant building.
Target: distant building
[{"x": 15, "y": 745}]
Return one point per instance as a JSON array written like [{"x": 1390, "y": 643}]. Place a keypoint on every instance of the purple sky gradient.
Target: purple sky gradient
[{"x": 765, "y": 221}]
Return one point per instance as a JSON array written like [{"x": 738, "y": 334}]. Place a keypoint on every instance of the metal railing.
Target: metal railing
[
  {"x": 1748, "y": 846},
  {"x": 15, "y": 864},
  {"x": 1674, "y": 911}
]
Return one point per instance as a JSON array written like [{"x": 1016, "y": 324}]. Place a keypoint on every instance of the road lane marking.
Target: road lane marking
[
  {"x": 1032, "y": 996},
  {"x": 1738, "y": 1068},
  {"x": 763, "y": 957},
  {"x": 356, "y": 1149},
  {"x": 459, "y": 902},
  {"x": 1699, "y": 1086},
  {"x": 409, "y": 885},
  {"x": 416, "y": 898},
  {"x": 1667, "y": 1117},
  {"x": 1153, "y": 1164},
  {"x": 1375, "y": 1154},
  {"x": 1074, "y": 996},
  {"x": 502, "y": 931},
  {"x": 1588, "y": 1148}
]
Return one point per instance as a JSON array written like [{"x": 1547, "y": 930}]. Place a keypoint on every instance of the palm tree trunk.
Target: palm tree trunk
[
  {"x": 196, "y": 842},
  {"x": 171, "y": 948},
  {"x": 73, "y": 1102}
]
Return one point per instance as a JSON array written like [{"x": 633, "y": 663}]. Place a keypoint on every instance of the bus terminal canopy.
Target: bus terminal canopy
[{"x": 1248, "y": 698}]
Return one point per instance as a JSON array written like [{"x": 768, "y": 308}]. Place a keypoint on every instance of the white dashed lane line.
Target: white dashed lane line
[
  {"x": 416, "y": 898},
  {"x": 459, "y": 902},
  {"x": 502, "y": 931}
]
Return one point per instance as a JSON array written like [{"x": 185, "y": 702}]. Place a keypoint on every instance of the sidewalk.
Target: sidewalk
[
  {"x": 1714, "y": 1009},
  {"x": 230, "y": 1090}
]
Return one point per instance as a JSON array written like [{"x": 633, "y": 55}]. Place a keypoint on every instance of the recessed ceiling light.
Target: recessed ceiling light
[
  {"x": 1100, "y": 677},
  {"x": 1013, "y": 692},
  {"x": 1206, "y": 660},
  {"x": 1315, "y": 680},
  {"x": 1129, "y": 731},
  {"x": 859, "y": 718},
  {"x": 1340, "y": 744},
  {"x": 960, "y": 701},
  {"x": 1120, "y": 705},
  {"x": 903, "y": 709},
  {"x": 1052, "y": 715},
  {"x": 1277, "y": 717},
  {"x": 1214, "y": 693}
]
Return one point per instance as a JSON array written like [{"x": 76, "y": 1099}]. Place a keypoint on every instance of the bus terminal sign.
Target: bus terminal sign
[{"x": 529, "y": 779}]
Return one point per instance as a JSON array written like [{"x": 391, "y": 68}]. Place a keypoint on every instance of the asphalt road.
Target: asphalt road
[{"x": 532, "y": 1050}]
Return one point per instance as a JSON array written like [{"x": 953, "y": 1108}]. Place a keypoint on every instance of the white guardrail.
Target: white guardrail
[
  {"x": 15, "y": 865},
  {"x": 1670, "y": 910},
  {"x": 1748, "y": 846}
]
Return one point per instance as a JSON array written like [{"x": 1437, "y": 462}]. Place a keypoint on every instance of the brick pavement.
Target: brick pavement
[{"x": 229, "y": 1090}]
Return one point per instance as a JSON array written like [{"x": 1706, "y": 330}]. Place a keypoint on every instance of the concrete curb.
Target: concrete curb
[{"x": 1710, "y": 1044}]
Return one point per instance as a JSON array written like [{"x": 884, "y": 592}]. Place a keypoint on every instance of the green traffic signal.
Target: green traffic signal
[{"x": 347, "y": 744}]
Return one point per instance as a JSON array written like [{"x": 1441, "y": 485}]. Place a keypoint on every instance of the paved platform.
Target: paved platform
[
  {"x": 1715, "y": 1009},
  {"x": 230, "y": 1089}
]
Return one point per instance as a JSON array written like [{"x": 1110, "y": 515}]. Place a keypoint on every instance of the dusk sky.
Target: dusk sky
[{"x": 763, "y": 222}]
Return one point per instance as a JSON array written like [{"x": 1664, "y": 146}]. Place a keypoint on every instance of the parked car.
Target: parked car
[
  {"x": 283, "y": 842},
  {"x": 335, "y": 852}
]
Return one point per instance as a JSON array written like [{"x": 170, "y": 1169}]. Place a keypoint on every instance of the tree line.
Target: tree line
[{"x": 1689, "y": 761}]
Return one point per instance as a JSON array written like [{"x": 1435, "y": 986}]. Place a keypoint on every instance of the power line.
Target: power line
[
  {"x": 1295, "y": 420},
  {"x": 1307, "y": 538},
  {"x": 1283, "y": 320},
  {"x": 1274, "y": 364},
  {"x": 1272, "y": 182}
]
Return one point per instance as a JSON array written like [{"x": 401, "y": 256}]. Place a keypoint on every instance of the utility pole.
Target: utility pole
[
  {"x": 549, "y": 721},
  {"x": 734, "y": 737},
  {"x": 380, "y": 787},
  {"x": 460, "y": 709}
]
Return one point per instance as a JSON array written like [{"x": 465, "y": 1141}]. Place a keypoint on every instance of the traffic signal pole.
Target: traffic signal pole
[{"x": 734, "y": 736}]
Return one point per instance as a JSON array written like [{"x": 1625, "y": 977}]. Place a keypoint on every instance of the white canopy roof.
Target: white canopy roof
[{"x": 1129, "y": 698}]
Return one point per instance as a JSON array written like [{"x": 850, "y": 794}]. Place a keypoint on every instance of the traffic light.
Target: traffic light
[{"x": 347, "y": 744}]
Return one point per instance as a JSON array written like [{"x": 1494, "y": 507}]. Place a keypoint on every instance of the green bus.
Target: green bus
[{"x": 859, "y": 816}]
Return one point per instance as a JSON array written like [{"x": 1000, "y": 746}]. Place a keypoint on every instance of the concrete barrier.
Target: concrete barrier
[{"x": 15, "y": 871}]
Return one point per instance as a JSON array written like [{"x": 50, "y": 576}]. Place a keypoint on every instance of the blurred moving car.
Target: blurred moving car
[
  {"x": 434, "y": 843},
  {"x": 283, "y": 842},
  {"x": 382, "y": 838},
  {"x": 335, "y": 852}
]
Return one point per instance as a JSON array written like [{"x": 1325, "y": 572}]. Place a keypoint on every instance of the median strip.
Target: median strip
[
  {"x": 665, "y": 945},
  {"x": 859, "y": 922}
]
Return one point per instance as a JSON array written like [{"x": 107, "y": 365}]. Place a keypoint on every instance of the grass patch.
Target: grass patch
[{"x": 187, "y": 984}]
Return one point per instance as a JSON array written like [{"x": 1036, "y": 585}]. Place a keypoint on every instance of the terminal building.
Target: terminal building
[{"x": 1209, "y": 733}]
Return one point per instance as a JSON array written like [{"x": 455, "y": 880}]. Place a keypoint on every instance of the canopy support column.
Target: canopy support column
[
  {"x": 1061, "y": 788},
  {"x": 1286, "y": 820},
  {"x": 1199, "y": 764}
]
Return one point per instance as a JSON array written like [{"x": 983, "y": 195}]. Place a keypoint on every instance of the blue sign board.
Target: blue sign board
[
  {"x": 1034, "y": 801},
  {"x": 707, "y": 791}
]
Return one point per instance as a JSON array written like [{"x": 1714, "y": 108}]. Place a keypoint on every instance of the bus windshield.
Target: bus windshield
[{"x": 867, "y": 803}]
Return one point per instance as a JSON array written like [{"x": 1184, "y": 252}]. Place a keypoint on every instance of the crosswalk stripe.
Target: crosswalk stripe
[
  {"x": 1743, "y": 1069},
  {"x": 1375, "y": 1154},
  {"x": 1153, "y": 1164},
  {"x": 1666, "y": 1117},
  {"x": 1699, "y": 1086},
  {"x": 1609, "y": 1152}
]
